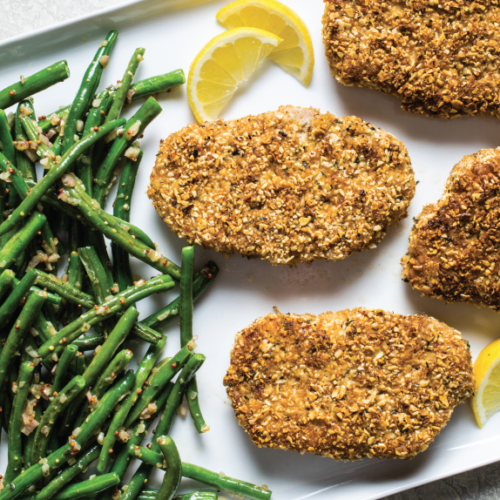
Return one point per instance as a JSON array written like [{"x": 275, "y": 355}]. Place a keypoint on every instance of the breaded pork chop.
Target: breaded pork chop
[
  {"x": 288, "y": 186},
  {"x": 440, "y": 57},
  {"x": 454, "y": 250},
  {"x": 355, "y": 384}
]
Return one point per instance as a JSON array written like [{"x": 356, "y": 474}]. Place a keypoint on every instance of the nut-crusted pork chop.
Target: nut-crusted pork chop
[
  {"x": 355, "y": 384},
  {"x": 454, "y": 250},
  {"x": 440, "y": 57},
  {"x": 288, "y": 186}
]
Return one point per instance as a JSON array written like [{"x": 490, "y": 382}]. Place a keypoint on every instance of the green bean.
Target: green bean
[
  {"x": 175, "y": 398},
  {"x": 37, "y": 411},
  {"x": 88, "y": 342},
  {"x": 20, "y": 186},
  {"x": 69, "y": 474},
  {"x": 80, "y": 364},
  {"x": 42, "y": 327},
  {"x": 118, "y": 364},
  {"x": 53, "y": 174},
  {"x": 139, "y": 432},
  {"x": 120, "y": 416},
  {"x": 25, "y": 165},
  {"x": 84, "y": 434},
  {"x": 186, "y": 317},
  {"x": 159, "y": 378},
  {"x": 89, "y": 487},
  {"x": 20, "y": 240},
  {"x": 118, "y": 303},
  {"x": 105, "y": 223},
  {"x": 15, "y": 176},
  {"x": 96, "y": 239},
  {"x": 121, "y": 208},
  {"x": 33, "y": 84},
  {"x": 57, "y": 146},
  {"x": 62, "y": 400},
  {"x": 213, "y": 479},
  {"x": 95, "y": 271},
  {"x": 9, "y": 307},
  {"x": 186, "y": 303},
  {"x": 3, "y": 209},
  {"x": 33, "y": 133},
  {"x": 146, "y": 333},
  {"x": 142, "y": 88},
  {"x": 142, "y": 474},
  {"x": 75, "y": 273},
  {"x": 103, "y": 409},
  {"x": 6, "y": 406},
  {"x": 147, "y": 456},
  {"x": 136, "y": 484},
  {"x": 132, "y": 130},
  {"x": 50, "y": 313},
  {"x": 157, "y": 84},
  {"x": 52, "y": 298},
  {"x": 202, "y": 282},
  {"x": 121, "y": 93},
  {"x": 88, "y": 87},
  {"x": 97, "y": 114},
  {"x": 173, "y": 476},
  {"x": 67, "y": 357},
  {"x": 17, "y": 333},
  {"x": 100, "y": 362},
  {"x": 6, "y": 139},
  {"x": 6, "y": 281},
  {"x": 194, "y": 407},
  {"x": 65, "y": 290},
  {"x": 45, "y": 122},
  {"x": 14, "y": 449},
  {"x": 50, "y": 200},
  {"x": 135, "y": 231},
  {"x": 196, "y": 495},
  {"x": 226, "y": 483}
]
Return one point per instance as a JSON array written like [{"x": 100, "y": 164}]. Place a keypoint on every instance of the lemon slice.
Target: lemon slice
[
  {"x": 226, "y": 61},
  {"x": 486, "y": 400},
  {"x": 295, "y": 54}
]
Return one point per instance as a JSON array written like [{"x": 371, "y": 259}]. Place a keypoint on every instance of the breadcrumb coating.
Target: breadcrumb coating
[
  {"x": 453, "y": 253},
  {"x": 355, "y": 384},
  {"x": 441, "y": 57},
  {"x": 289, "y": 186}
]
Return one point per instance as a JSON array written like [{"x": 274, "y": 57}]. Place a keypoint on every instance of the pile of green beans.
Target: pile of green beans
[{"x": 85, "y": 405}]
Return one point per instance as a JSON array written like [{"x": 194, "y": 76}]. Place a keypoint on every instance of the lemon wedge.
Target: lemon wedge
[
  {"x": 295, "y": 54},
  {"x": 486, "y": 400},
  {"x": 225, "y": 62}
]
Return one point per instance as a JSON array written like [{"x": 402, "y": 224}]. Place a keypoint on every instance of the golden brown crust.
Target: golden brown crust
[
  {"x": 355, "y": 384},
  {"x": 453, "y": 253},
  {"x": 289, "y": 186},
  {"x": 439, "y": 56}
]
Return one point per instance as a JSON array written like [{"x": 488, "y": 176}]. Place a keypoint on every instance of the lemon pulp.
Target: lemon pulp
[
  {"x": 225, "y": 62},
  {"x": 295, "y": 54}
]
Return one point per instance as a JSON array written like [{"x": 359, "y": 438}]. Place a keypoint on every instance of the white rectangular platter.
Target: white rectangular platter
[{"x": 172, "y": 33}]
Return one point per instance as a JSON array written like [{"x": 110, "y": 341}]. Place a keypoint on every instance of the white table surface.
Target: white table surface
[{"x": 24, "y": 16}]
